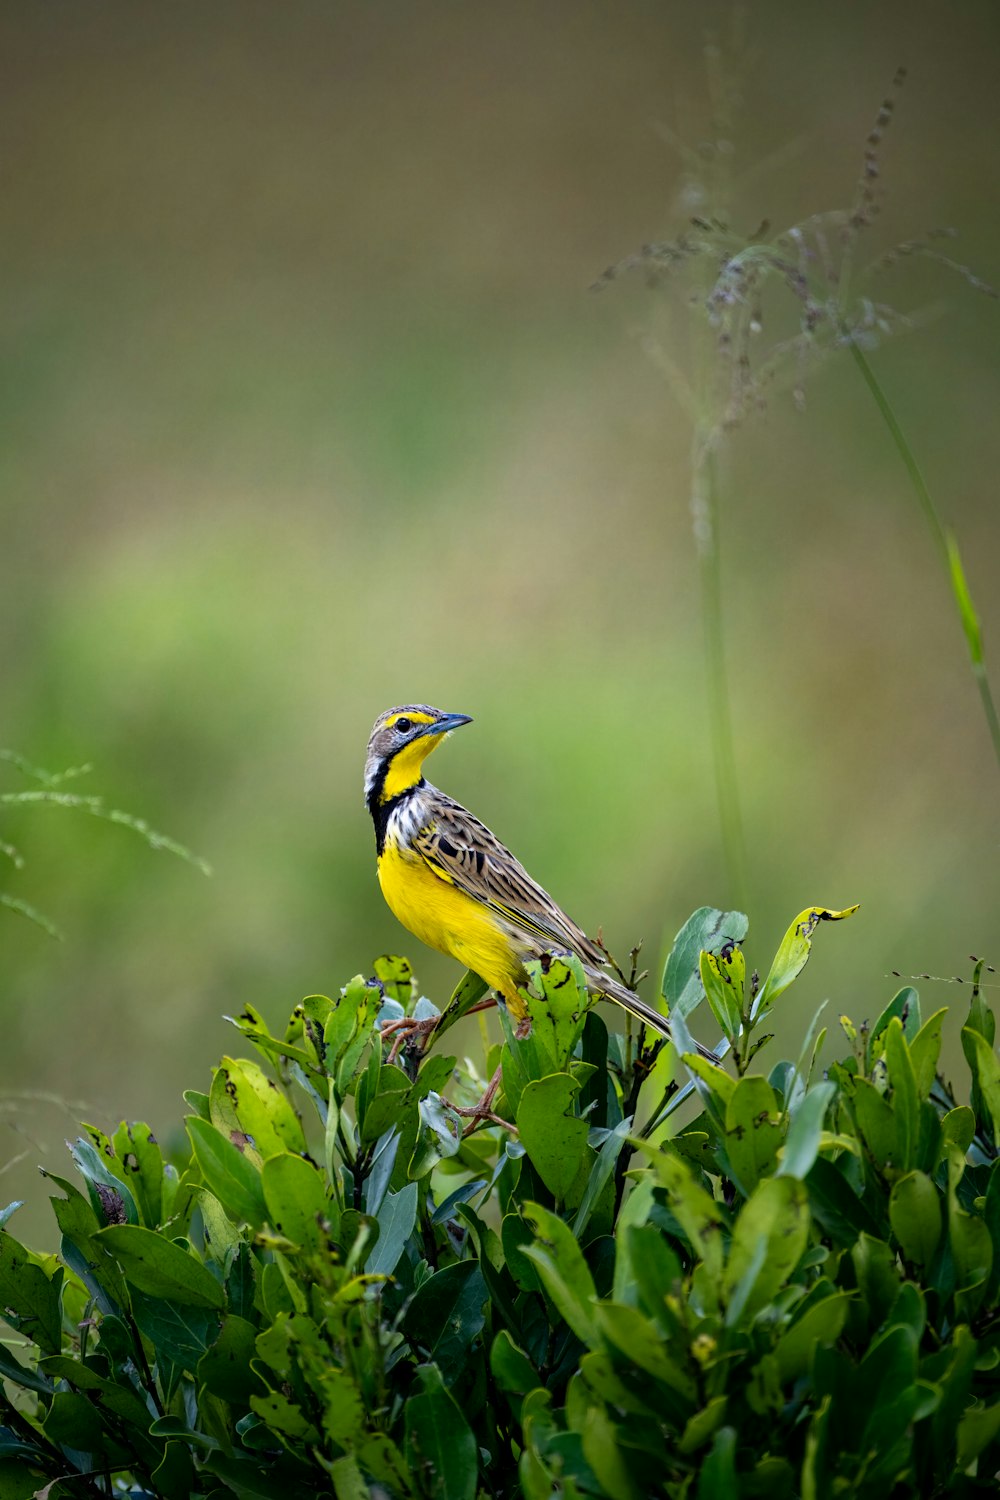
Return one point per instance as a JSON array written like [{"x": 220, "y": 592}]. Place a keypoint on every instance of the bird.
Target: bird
[{"x": 455, "y": 886}]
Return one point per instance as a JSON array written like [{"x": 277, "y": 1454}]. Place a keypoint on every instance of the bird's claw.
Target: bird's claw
[{"x": 404, "y": 1031}]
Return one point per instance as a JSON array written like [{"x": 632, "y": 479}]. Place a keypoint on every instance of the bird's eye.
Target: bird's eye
[{"x": 404, "y": 725}]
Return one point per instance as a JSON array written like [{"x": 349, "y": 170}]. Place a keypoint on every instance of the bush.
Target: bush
[{"x": 797, "y": 1294}]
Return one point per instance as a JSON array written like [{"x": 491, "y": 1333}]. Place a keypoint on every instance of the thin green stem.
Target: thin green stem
[
  {"x": 945, "y": 543},
  {"x": 705, "y": 508}
]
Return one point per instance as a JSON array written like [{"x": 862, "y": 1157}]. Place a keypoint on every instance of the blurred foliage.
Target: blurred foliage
[
  {"x": 342, "y": 1285},
  {"x": 306, "y": 410}
]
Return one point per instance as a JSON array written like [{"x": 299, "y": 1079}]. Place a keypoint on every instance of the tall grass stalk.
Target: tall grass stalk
[
  {"x": 734, "y": 367},
  {"x": 946, "y": 545}
]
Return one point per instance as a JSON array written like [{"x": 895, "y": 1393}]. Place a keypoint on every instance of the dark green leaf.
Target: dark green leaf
[
  {"x": 915, "y": 1214},
  {"x": 160, "y": 1268},
  {"x": 446, "y": 1314},
  {"x": 706, "y": 929},
  {"x": 225, "y": 1367},
  {"x": 441, "y": 1450},
  {"x": 29, "y": 1298},
  {"x": 178, "y": 1331}
]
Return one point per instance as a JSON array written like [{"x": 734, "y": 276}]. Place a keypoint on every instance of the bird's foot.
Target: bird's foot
[
  {"x": 404, "y": 1032},
  {"x": 484, "y": 1109}
]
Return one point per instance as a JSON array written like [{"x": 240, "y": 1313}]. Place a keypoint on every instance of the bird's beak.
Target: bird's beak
[{"x": 446, "y": 724}]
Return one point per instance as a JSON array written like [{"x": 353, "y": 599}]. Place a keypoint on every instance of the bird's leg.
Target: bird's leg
[
  {"x": 405, "y": 1029},
  {"x": 484, "y": 1109}
]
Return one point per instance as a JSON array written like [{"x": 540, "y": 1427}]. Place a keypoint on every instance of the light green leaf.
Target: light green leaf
[
  {"x": 298, "y": 1206},
  {"x": 753, "y": 1131},
  {"x": 554, "y": 1140},
  {"x": 806, "y": 1132},
  {"x": 777, "y": 1216},
  {"x": 986, "y": 1069},
  {"x": 925, "y": 1048},
  {"x": 905, "y": 1099},
  {"x": 722, "y": 977},
  {"x": 229, "y": 1174},
  {"x": 821, "y": 1323},
  {"x": 793, "y": 953},
  {"x": 563, "y": 1270},
  {"x": 397, "y": 1217}
]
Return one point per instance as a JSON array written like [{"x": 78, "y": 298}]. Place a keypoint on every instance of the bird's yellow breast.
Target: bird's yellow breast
[{"x": 445, "y": 918}]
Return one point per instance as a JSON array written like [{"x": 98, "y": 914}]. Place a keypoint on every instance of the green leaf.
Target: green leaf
[
  {"x": 925, "y": 1048},
  {"x": 397, "y": 1217},
  {"x": 821, "y": 1323},
  {"x": 611, "y": 1464},
  {"x": 230, "y": 1175},
  {"x": 440, "y": 1448},
  {"x": 915, "y": 1215},
  {"x": 557, "y": 1003},
  {"x": 563, "y": 1270},
  {"x": 802, "y": 1142},
  {"x": 225, "y": 1367},
  {"x": 722, "y": 977},
  {"x": 753, "y": 1131},
  {"x": 83, "y": 1252},
  {"x": 250, "y": 1110},
  {"x": 698, "y": 1214},
  {"x": 966, "y": 610},
  {"x": 836, "y": 1206},
  {"x": 976, "y": 1430},
  {"x": 446, "y": 1314},
  {"x": 985, "y": 1067},
  {"x": 777, "y": 1217},
  {"x": 717, "y": 1480},
  {"x": 111, "y": 1198},
  {"x": 510, "y": 1366},
  {"x": 876, "y": 1121},
  {"x": 640, "y": 1340},
  {"x": 905, "y": 1098},
  {"x": 554, "y": 1140},
  {"x": 30, "y": 1299},
  {"x": 298, "y": 1205},
  {"x": 600, "y": 1176},
  {"x": 905, "y": 1007},
  {"x": 161, "y": 1268},
  {"x": 467, "y": 993},
  {"x": 142, "y": 1165},
  {"x": 178, "y": 1331},
  {"x": 707, "y": 929},
  {"x": 793, "y": 953}
]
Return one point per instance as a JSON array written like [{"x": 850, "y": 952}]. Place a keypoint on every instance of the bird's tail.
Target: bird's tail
[{"x": 604, "y": 985}]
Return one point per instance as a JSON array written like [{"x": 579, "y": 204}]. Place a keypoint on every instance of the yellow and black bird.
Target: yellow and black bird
[{"x": 451, "y": 881}]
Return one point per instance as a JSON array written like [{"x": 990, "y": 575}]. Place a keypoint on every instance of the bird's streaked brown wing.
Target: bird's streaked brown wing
[{"x": 462, "y": 850}]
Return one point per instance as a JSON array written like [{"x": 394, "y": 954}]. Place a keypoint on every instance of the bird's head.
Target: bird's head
[{"x": 400, "y": 742}]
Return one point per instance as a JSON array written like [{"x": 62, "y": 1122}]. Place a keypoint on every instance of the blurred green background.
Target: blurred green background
[{"x": 306, "y": 410}]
